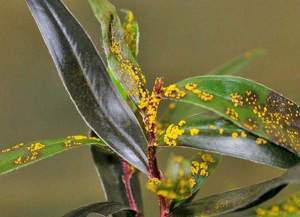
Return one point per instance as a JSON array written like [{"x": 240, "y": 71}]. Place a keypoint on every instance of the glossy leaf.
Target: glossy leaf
[
  {"x": 88, "y": 83},
  {"x": 121, "y": 60},
  {"x": 111, "y": 172},
  {"x": 238, "y": 63},
  {"x": 249, "y": 105},
  {"x": 24, "y": 154},
  {"x": 220, "y": 136},
  {"x": 240, "y": 199},
  {"x": 104, "y": 209},
  {"x": 177, "y": 110}
]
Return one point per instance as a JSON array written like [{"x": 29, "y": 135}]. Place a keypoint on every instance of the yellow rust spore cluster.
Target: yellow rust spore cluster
[
  {"x": 181, "y": 186},
  {"x": 32, "y": 153},
  {"x": 13, "y": 148},
  {"x": 130, "y": 34},
  {"x": 200, "y": 168},
  {"x": 279, "y": 117},
  {"x": 147, "y": 102},
  {"x": 173, "y": 91},
  {"x": 192, "y": 87},
  {"x": 232, "y": 114},
  {"x": 173, "y": 132},
  {"x": 130, "y": 72},
  {"x": 285, "y": 209}
]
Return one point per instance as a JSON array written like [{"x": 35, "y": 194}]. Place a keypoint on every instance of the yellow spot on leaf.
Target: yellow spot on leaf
[{"x": 194, "y": 131}]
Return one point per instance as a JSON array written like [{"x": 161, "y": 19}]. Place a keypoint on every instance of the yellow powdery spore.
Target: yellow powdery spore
[
  {"x": 244, "y": 134},
  {"x": 199, "y": 168},
  {"x": 130, "y": 35},
  {"x": 13, "y": 148},
  {"x": 173, "y": 132},
  {"x": 237, "y": 99},
  {"x": 33, "y": 152},
  {"x": 232, "y": 114},
  {"x": 172, "y": 106},
  {"x": 172, "y": 91},
  {"x": 203, "y": 95},
  {"x": 290, "y": 207},
  {"x": 129, "y": 71},
  {"x": 260, "y": 141},
  {"x": 190, "y": 86},
  {"x": 194, "y": 131},
  {"x": 153, "y": 183},
  {"x": 234, "y": 135}
]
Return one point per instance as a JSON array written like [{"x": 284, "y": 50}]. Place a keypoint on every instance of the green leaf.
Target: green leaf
[
  {"x": 240, "y": 199},
  {"x": 121, "y": 60},
  {"x": 202, "y": 159},
  {"x": 178, "y": 110},
  {"x": 249, "y": 105},
  {"x": 131, "y": 32},
  {"x": 104, "y": 209},
  {"x": 223, "y": 137},
  {"x": 88, "y": 83},
  {"x": 21, "y": 155},
  {"x": 238, "y": 63}
]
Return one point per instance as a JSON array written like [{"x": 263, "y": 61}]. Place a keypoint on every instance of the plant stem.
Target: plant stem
[
  {"x": 152, "y": 160},
  {"x": 128, "y": 172}
]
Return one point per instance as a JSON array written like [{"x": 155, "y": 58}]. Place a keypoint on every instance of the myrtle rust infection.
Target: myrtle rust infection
[
  {"x": 279, "y": 118},
  {"x": 13, "y": 148},
  {"x": 204, "y": 96},
  {"x": 282, "y": 121},
  {"x": 290, "y": 207},
  {"x": 33, "y": 152},
  {"x": 130, "y": 73},
  {"x": 232, "y": 114},
  {"x": 74, "y": 141},
  {"x": 173, "y": 132},
  {"x": 178, "y": 186},
  {"x": 130, "y": 33}
]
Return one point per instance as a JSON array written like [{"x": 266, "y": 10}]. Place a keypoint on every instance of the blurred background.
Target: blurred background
[{"x": 179, "y": 38}]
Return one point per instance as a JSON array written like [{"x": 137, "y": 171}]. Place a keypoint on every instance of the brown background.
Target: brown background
[{"x": 179, "y": 38}]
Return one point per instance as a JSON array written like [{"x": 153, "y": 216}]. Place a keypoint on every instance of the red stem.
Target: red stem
[
  {"x": 152, "y": 161},
  {"x": 128, "y": 172}
]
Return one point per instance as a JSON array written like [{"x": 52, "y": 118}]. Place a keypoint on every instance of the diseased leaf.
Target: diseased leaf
[
  {"x": 249, "y": 105},
  {"x": 217, "y": 135},
  {"x": 178, "y": 110},
  {"x": 202, "y": 166},
  {"x": 24, "y": 154},
  {"x": 240, "y": 199},
  {"x": 111, "y": 172},
  {"x": 131, "y": 32},
  {"x": 289, "y": 207},
  {"x": 121, "y": 60},
  {"x": 237, "y": 64},
  {"x": 88, "y": 83},
  {"x": 103, "y": 209}
]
